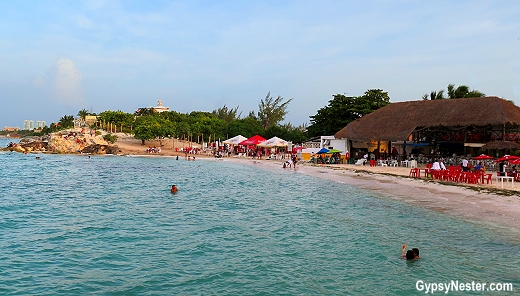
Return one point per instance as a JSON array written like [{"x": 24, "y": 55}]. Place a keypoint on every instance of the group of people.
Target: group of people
[
  {"x": 412, "y": 254},
  {"x": 503, "y": 172},
  {"x": 291, "y": 162},
  {"x": 438, "y": 164},
  {"x": 153, "y": 149}
]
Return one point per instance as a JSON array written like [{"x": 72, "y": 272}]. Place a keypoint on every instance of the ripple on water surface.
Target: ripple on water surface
[{"x": 109, "y": 225}]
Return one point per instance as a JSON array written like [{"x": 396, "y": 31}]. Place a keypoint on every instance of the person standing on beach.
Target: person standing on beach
[
  {"x": 465, "y": 167},
  {"x": 502, "y": 168}
]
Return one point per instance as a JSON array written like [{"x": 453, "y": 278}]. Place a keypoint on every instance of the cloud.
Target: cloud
[{"x": 63, "y": 80}]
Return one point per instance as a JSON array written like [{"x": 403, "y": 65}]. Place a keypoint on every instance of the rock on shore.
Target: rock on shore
[{"x": 65, "y": 142}]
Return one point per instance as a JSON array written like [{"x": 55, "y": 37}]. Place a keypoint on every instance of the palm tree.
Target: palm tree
[
  {"x": 67, "y": 121},
  {"x": 83, "y": 114},
  {"x": 462, "y": 91},
  {"x": 434, "y": 95}
]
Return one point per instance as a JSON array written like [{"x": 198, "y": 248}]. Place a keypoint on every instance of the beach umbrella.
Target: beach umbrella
[
  {"x": 296, "y": 148},
  {"x": 274, "y": 142},
  {"x": 254, "y": 140},
  {"x": 334, "y": 151},
  {"x": 235, "y": 140},
  {"x": 507, "y": 158},
  {"x": 515, "y": 161},
  {"x": 482, "y": 157},
  {"x": 323, "y": 151}
]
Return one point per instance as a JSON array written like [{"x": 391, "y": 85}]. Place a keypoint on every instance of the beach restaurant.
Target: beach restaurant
[{"x": 436, "y": 127}]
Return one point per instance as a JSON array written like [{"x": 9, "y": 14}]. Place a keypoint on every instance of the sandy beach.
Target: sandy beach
[{"x": 488, "y": 203}]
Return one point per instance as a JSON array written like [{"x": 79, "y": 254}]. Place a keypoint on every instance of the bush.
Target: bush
[
  {"x": 110, "y": 138},
  {"x": 98, "y": 133}
]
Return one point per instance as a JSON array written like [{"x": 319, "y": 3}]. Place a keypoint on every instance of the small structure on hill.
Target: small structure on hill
[{"x": 160, "y": 108}]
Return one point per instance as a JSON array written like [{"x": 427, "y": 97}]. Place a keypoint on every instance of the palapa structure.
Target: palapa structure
[{"x": 472, "y": 120}]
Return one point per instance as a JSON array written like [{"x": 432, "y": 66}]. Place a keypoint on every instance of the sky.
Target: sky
[{"x": 59, "y": 57}]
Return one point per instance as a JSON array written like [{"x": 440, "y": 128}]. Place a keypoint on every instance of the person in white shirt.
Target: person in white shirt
[
  {"x": 441, "y": 164},
  {"x": 438, "y": 165},
  {"x": 465, "y": 167}
]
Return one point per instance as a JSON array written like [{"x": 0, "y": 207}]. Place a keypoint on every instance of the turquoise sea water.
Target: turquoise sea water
[{"x": 70, "y": 225}]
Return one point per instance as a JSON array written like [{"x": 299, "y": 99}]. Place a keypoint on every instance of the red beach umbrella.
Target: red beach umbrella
[
  {"x": 515, "y": 161},
  {"x": 507, "y": 158},
  {"x": 483, "y": 156},
  {"x": 254, "y": 140}
]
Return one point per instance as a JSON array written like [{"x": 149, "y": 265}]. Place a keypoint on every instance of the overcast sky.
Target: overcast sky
[{"x": 58, "y": 57}]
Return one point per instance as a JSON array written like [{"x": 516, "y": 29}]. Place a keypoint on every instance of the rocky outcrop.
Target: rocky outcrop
[
  {"x": 36, "y": 146},
  {"x": 66, "y": 142},
  {"x": 101, "y": 149}
]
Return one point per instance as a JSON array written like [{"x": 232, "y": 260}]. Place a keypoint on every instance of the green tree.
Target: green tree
[
  {"x": 434, "y": 95},
  {"x": 147, "y": 128},
  {"x": 209, "y": 126},
  {"x": 226, "y": 114},
  {"x": 145, "y": 112},
  {"x": 271, "y": 111},
  {"x": 175, "y": 116},
  {"x": 462, "y": 91},
  {"x": 83, "y": 113},
  {"x": 67, "y": 121},
  {"x": 117, "y": 117},
  {"x": 288, "y": 132},
  {"x": 342, "y": 110},
  {"x": 183, "y": 129},
  {"x": 246, "y": 127}
]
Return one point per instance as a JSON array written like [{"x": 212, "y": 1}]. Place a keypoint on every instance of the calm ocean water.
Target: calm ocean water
[{"x": 70, "y": 225}]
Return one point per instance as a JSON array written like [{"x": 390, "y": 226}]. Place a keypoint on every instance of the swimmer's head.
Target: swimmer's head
[
  {"x": 416, "y": 251},
  {"x": 410, "y": 255}
]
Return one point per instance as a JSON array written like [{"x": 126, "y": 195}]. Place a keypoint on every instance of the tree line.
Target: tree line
[{"x": 225, "y": 122}]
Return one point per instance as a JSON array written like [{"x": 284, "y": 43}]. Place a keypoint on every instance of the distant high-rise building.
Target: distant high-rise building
[
  {"x": 40, "y": 124},
  {"x": 28, "y": 125}
]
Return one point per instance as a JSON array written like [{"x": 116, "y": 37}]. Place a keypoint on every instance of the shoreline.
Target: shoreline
[
  {"x": 477, "y": 203},
  {"x": 457, "y": 201}
]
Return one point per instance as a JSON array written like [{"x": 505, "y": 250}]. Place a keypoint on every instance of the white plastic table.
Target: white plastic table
[{"x": 507, "y": 178}]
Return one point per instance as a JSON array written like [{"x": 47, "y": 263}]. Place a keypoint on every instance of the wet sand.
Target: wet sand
[{"x": 487, "y": 203}]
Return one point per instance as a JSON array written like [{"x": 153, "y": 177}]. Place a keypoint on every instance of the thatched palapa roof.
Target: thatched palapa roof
[
  {"x": 396, "y": 121},
  {"x": 501, "y": 145}
]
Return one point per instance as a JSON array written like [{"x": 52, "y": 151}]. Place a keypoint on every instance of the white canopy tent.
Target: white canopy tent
[
  {"x": 274, "y": 142},
  {"x": 235, "y": 140}
]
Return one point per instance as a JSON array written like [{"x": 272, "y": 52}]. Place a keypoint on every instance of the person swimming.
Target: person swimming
[
  {"x": 410, "y": 254},
  {"x": 416, "y": 253},
  {"x": 174, "y": 189}
]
